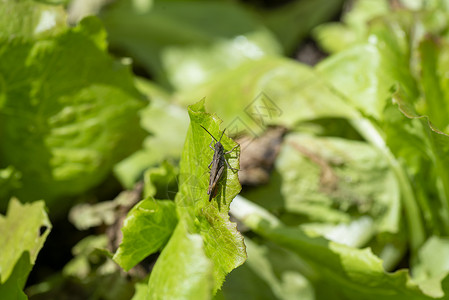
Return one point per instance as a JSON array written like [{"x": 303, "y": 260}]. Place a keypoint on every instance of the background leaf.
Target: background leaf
[
  {"x": 23, "y": 232},
  {"x": 146, "y": 229},
  {"x": 336, "y": 184},
  {"x": 167, "y": 123},
  {"x": 183, "y": 42},
  {"x": 359, "y": 271},
  {"x": 41, "y": 19},
  {"x": 271, "y": 272},
  {"x": 300, "y": 17},
  {"x": 269, "y": 91},
  {"x": 76, "y": 119}
]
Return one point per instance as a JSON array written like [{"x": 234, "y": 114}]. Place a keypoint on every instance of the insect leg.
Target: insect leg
[
  {"x": 210, "y": 145},
  {"x": 232, "y": 149},
  {"x": 230, "y": 166},
  {"x": 227, "y": 161}
]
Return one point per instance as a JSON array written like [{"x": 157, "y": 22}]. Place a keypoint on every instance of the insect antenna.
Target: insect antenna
[
  {"x": 211, "y": 133},
  {"x": 222, "y": 135}
]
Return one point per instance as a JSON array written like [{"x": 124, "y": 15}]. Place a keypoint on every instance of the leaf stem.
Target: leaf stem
[{"x": 414, "y": 219}]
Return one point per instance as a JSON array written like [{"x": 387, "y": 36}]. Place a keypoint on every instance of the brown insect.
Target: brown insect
[{"x": 218, "y": 164}]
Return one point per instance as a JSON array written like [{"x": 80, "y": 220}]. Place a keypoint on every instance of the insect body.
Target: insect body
[{"x": 218, "y": 164}]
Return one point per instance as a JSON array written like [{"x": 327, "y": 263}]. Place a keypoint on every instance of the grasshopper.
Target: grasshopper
[{"x": 218, "y": 164}]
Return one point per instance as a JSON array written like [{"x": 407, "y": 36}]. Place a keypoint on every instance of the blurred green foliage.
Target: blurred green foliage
[{"x": 360, "y": 187}]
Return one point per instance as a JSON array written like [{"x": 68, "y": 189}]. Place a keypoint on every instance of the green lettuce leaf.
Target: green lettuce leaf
[
  {"x": 91, "y": 274},
  {"x": 300, "y": 17},
  {"x": 340, "y": 180},
  {"x": 271, "y": 272},
  {"x": 23, "y": 232},
  {"x": 403, "y": 53},
  {"x": 432, "y": 266},
  {"x": 161, "y": 182},
  {"x": 85, "y": 252},
  {"x": 205, "y": 246},
  {"x": 182, "y": 271},
  {"x": 405, "y": 58},
  {"x": 269, "y": 91},
  {"x": 140, "y": 291},
  {"x": 9, "y": 182},
  {"x": 167, "y": 124},
  {"x": 203, "y": 223},
  {"x": 67, "y": 111},
  {"x": 146, "y": 229},
  {"x": 354, "y": 273},
  {"x": 356, "y": 23},
  {"x": 430, "y": 156},
  {"x": 353, "y": 27},
  {"x": 30, "y": 19},
  {"x": 183, "y": 43}
]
